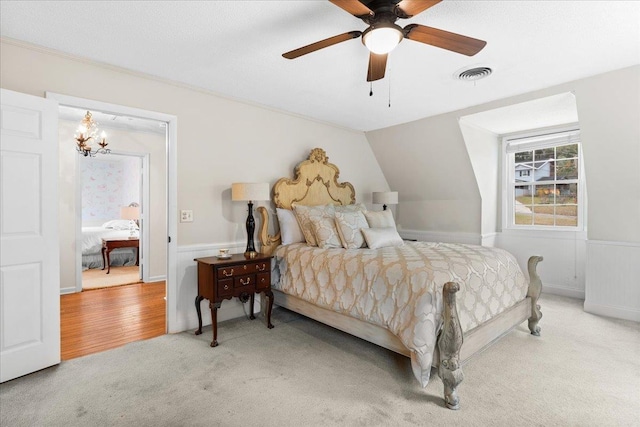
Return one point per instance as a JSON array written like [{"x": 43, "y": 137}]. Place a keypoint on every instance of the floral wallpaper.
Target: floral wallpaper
[{"x": 107, "y": 185}]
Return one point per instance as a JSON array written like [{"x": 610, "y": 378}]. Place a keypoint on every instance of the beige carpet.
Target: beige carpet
[
  {"x": 583, "y": 371},
  {"x": 95, "y": 278}
]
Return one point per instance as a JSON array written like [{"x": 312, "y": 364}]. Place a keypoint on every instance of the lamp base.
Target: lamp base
[{"x": 250, "y": 254}]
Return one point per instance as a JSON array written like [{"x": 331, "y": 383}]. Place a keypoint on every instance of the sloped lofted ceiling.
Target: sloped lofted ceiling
[{"x": 234, "y": 48}]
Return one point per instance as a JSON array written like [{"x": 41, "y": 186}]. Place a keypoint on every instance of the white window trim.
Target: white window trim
[{"x": 508, "y": 175}]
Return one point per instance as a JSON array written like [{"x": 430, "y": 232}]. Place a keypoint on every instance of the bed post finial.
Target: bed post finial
[
  {"x": 449, "y": 344},
  {"x": 535, "y": 289}
]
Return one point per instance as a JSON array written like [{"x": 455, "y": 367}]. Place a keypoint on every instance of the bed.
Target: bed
[
  {"x": 92, "y": 245},
  {"x": 419, "y": 299}
]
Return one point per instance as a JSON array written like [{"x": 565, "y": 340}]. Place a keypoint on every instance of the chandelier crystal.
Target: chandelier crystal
[{"x": 86, "y": 134}]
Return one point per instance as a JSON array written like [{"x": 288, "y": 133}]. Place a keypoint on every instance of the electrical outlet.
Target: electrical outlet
[{"x": 186, "y": 216}]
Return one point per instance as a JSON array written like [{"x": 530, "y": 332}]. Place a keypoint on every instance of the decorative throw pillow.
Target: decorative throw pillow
[
  {"x": 325, "y": 232},
  {"x": 306, "y": 214},
  {"x": 290, "y": 231},
  {"x": 380, "y": 219},
  {"x": 349, "y": 225},
  {"x": 382, "y": 237}
]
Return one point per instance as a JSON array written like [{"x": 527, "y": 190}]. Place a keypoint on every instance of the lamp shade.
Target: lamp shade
[
  {"x": 130, "y": 212},
  {"x": 247, "y": 191},
  {"x": 385, "y": 197}
]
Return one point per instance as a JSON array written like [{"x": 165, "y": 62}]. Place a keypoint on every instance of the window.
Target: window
[{"x": 543, "y": 180}]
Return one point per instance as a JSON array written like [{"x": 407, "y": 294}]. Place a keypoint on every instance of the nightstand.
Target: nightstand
[{"x": 237, "y": 276}]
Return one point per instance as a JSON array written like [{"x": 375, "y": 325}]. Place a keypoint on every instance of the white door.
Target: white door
[{"x": 29, "y": 257}]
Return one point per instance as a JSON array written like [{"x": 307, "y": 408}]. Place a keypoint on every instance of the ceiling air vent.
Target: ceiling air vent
[{"x": 473, "y": 74}]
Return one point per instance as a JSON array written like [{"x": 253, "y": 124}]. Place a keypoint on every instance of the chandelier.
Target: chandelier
[{"x": 88, "y": 132}]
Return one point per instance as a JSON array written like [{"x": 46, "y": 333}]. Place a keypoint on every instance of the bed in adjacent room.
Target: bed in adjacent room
[
  {"x": 92, "y": 245},
  {"x": 348, "y": 267}
]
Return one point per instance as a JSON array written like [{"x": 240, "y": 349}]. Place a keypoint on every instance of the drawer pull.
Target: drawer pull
[
  {"x": 228, "y": 275},
  {"x": 248, "y": 281},
  {"x": 262, "y": 280},
  {"x": 264, "y": 267},
  {"x": 226, "y": 287}
]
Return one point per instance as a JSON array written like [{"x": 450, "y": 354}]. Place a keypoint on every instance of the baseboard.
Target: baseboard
[
  {"x": 156, "y": 279},
  {"x": 609, "y": 311},
  {"x": 563, "y": 291},
  {"x": 68, "y": 290}
]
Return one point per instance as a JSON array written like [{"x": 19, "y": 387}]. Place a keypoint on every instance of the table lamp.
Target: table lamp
[
  {"x": 250, "y": 192},
  {"x": 385, "y": 198},
  {"x": 132, "y": 213}
]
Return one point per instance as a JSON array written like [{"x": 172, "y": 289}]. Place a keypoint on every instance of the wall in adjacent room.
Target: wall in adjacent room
[{"x": 125, "y": 141}]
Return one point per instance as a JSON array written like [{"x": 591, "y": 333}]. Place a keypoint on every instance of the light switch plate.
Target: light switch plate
[{"x": 186, "y": 216}]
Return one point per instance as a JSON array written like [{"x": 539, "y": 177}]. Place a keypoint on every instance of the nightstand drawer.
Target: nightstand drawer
[
  {"x": 233, "y": 270},
  {"x": 260, "y": 267},
  {"x": 243, "y": 281},
  {"x": 264, "y": 280},
  {"x": 225, "y": 287}
]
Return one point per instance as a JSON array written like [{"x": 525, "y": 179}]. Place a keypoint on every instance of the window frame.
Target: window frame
[{"x": 528, "y": 139}]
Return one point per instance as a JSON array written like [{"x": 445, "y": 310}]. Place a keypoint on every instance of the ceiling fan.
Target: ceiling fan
[{"x": 383, "y": 34}]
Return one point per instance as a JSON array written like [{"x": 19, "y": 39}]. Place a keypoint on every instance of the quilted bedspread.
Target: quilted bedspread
[{"x": 400, "y": 288}]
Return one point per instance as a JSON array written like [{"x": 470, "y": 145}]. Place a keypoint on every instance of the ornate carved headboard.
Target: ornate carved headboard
[{"x": 315, "y": 183}]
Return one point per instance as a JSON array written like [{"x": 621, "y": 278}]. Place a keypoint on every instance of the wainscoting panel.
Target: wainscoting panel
[
  {"x": 613, "y": 279},
  {"x": 187, "y": 288},
  {"x": 562, "y": 271}
]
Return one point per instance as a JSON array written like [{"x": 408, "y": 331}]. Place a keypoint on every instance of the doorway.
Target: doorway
[
  {"x": 114, "y": 207},
  {"x": 169, "y": 223}
]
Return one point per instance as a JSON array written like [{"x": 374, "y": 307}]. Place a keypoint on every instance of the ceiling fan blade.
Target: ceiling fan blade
[
  {"x": 322, "y": 44},
  {"x": 377, "y": 66},
  {"x": 354, "y": 7},
  {"x": 413, "y": 7},
  {"x": 444, "y": 39}
]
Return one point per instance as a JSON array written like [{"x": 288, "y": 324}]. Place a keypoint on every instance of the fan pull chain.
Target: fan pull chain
[
  {"x": 389, "y": 77},
  {"x": 370, "y": 88}
]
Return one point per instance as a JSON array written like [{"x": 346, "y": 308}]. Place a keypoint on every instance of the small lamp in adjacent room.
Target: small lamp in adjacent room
[
  {"x": 132, "y": 213},
  {"x": 250, "y": 192},
  {"x": 385, "y": 198}
]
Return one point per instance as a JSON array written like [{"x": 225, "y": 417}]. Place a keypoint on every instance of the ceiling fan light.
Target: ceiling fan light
[{"x": 382, "y": 40}]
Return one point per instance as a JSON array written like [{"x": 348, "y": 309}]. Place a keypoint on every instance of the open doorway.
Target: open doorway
[
  {"x": 134, "y": 136},
  {"x": 113, "y": 234},
  {"x": 120, "y": 200}
]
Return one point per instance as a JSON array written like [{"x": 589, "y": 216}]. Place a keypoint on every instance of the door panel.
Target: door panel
[{"x": 29, "y": 265}]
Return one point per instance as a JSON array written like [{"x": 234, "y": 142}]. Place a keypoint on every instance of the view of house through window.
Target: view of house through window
[{"x": 544, "y": 180}]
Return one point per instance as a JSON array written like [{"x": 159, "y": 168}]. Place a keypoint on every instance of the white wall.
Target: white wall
[
  {"x": 484, "y": 152},
  {"x": 609, "y": 115},
  {"x": 220, "y": 141},
  {"x": 427, "y": 163}
]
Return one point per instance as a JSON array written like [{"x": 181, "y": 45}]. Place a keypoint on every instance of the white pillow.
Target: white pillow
[
  {"x": 306, "y": 214},
  {"x": 119, "y": 224},
  {"x": 325, "y": 232},
  {"x": 380, "y": 219},
  {"x": 290, "y": 231},
  {"x": 382, "y": 237},
  {"x": 349, "y": 225}
]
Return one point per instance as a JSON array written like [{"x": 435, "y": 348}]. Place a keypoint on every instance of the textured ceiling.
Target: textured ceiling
[{"x": 234, "y": 48}]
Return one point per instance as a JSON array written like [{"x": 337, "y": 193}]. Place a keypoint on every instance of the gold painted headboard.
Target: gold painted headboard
[{"x": 315, "y": 183}]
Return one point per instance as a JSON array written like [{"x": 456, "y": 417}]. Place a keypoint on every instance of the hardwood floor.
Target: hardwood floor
[{"x": 98, "y": 320}]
